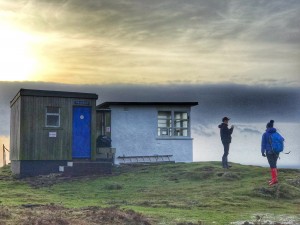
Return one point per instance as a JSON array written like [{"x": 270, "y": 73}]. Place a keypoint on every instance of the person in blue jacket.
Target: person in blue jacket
[
  {"x": 225, "y": 134},
  {"x": 266, "y": 151}
]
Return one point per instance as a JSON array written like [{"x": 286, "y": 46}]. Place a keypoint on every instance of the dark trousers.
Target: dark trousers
[
  {"x": 225, "y": 155},
  {"x": 272, "y": 159}
]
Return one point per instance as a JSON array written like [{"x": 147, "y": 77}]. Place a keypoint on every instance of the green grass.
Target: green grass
[{"x": 171, "y": 193}]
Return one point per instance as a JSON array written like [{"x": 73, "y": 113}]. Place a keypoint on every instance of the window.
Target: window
[
  {"x": 164, "y": 123},
  {"x": 52, "y": 117},
  {"x": 173, "y": 124},
  {"x": 181, "y": 123}
]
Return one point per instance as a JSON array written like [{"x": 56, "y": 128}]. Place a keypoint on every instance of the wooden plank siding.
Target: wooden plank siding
[
  {"x": 35, "y": 143},
  {"x": 15, "y": 130},
  {"x": 35, "y": 136}
]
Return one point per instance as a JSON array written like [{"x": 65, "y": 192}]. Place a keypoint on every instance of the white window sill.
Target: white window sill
[
  {"x": 174, "y": 138},
  {"x": 52, "y": 128}
]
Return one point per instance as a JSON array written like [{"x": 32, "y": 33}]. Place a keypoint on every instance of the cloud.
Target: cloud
[
  {"x": 248, "y": 130},
  {"x": 240, "y": 102},
  {"x": 169, "y": 22},
  {"x": 201, "y": 130},
  {"x": 132, "y": 41}
]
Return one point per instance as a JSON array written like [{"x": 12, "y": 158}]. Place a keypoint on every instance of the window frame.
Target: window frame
[
  {"x": 52, "y": 114},
  {"x": 169, "y": 122},
  {"x": 181, "y": 128},
  {"x": 173, "y": 128}
]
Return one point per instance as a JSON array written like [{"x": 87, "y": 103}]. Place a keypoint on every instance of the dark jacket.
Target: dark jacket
[
  {"x": 225, "y": 133},
  {"x": 265, "y": 143}
]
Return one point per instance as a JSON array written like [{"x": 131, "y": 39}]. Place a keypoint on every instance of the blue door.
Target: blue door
[{"x": 81, "y": 145}]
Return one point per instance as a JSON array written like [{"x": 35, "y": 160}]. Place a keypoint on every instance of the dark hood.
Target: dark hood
[{"x": 271, "y": 130}]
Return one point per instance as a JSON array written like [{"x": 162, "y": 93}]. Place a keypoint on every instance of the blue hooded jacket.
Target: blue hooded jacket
[{"x": 265, "y": 144}]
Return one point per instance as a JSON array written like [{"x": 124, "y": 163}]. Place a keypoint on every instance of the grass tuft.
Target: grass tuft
[
  {"x": 230, "y": 176},
  {"x": 171, "y": 194},
  {"x": 113, "y": 186}
]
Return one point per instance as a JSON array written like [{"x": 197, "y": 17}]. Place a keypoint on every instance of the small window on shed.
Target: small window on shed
[{"x": 52, "y": 117}]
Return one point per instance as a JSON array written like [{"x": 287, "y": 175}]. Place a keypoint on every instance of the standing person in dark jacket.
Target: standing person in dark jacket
[
  {"x": 266, "y": 150},
  {"x": 225, "y": 133}
]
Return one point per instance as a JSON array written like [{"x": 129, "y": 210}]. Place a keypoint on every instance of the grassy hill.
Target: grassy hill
[{"x": 191, "y": 193}]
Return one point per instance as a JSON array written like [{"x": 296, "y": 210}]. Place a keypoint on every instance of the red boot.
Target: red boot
[
  {"x": 274, "y": 177},
  {"x": 269, "y": 181}
]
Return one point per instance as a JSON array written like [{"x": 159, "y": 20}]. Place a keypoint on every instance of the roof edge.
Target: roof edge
[
  {"x": 48, "y": 93},
  {"x": 107, "y": 104}
]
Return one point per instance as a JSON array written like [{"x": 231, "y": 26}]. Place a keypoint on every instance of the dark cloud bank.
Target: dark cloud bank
[{"x": 244, "y": 104}]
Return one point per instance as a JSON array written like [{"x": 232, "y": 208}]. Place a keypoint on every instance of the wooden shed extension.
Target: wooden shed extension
[{"x": 45, "y": 130}]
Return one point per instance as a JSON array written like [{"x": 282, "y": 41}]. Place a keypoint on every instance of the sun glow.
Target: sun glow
[{"x": 17, "y": 62}]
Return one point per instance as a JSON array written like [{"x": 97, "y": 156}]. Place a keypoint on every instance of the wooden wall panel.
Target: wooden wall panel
[
  {"x": 15, "y": 130},
  {"x": 35, "y": 141},
  {"x": 38, "y": 145}
]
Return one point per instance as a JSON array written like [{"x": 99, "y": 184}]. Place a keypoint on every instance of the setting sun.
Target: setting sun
[{"x": 17, "y": 62}]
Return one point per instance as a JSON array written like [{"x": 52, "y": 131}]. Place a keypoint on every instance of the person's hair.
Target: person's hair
[{"x": 270, "y": 124}]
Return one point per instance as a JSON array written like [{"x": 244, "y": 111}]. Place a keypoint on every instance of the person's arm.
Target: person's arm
[
  {"x": 230, "y": 130},
  {"x": 227, "y": 131}
]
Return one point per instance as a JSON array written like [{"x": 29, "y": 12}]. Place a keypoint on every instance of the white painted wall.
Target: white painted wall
[{"x": 134, "y": 133}]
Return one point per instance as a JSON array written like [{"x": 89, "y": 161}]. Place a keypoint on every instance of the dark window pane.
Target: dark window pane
[
  {"x": 53, "y": 120},
  {"x": 181, "y": 132}
]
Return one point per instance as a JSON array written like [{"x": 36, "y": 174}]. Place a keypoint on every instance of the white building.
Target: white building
[{"x": 148, "y": 128}]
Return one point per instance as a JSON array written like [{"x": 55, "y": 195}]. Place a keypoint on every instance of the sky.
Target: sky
[
  {"x": 153, "y": 42},
  {"x": 237, "y": 58}
]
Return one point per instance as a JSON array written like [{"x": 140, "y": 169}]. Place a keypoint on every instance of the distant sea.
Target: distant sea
[{"x": 246, "y": 144}]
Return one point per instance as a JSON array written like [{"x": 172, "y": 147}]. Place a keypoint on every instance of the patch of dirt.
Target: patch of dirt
[
  {"x": 270, "y": 219},
  {"x": 4, "y": 213},
  {"x": 295, "y": 182},
  {"x": 57, "y": 215},
  {"x": 279, "y": 191},
  {"x": 45, "y": 180},
  {"x": 190, "y": 223}
]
